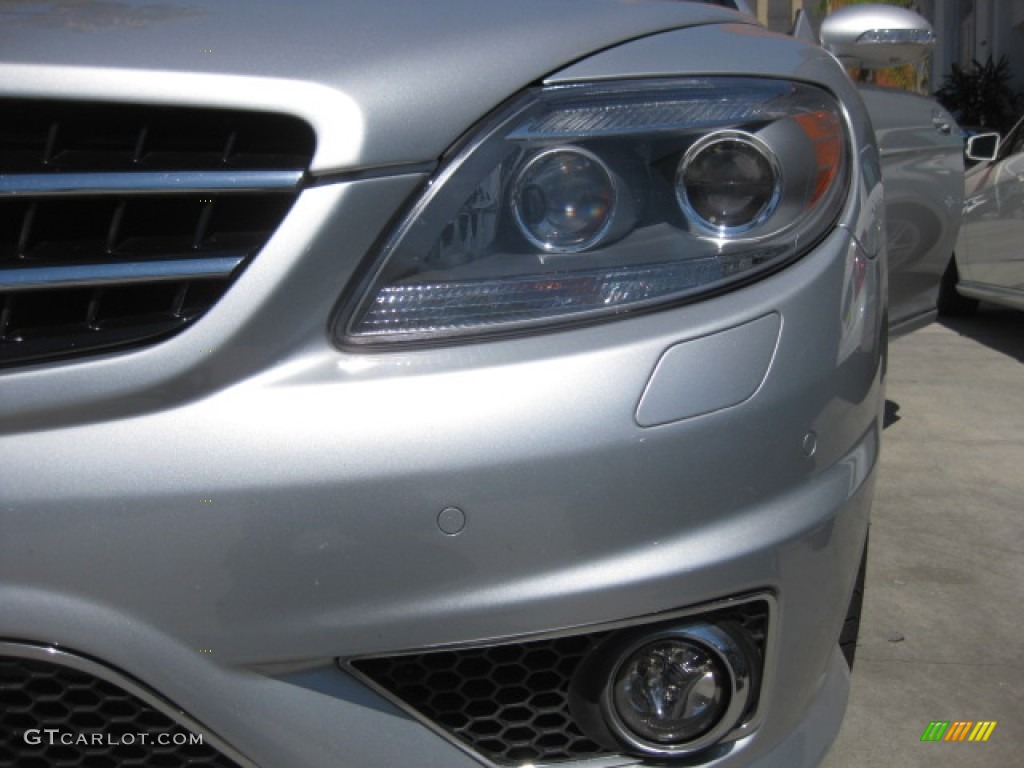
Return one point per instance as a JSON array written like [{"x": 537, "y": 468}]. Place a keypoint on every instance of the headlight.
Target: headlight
[{"x": 583, "y": 202}]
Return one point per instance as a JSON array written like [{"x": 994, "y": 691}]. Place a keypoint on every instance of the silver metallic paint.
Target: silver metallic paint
[
  {"x": 332, "y": 63},
  {"x": 335, "y": 116},
  {"x": 709, "y": 374},
  {"x": 843, "y": 31},
  {"x": 326, "y": 469},
  {"x": 922, "y": 172},
  {"x": 55, "y": 656}
]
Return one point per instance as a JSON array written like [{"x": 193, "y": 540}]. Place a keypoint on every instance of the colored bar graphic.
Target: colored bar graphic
[
  {"x": 982, "y": 731},
  {"x": 959, "y": 730}
]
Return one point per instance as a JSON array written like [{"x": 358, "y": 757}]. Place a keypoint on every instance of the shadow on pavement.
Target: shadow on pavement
[
  {"x": 995, "y": 327},
  {"x": 892, "y": 414}
]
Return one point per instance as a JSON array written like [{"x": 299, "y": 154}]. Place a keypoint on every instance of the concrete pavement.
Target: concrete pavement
[{"x": 942, "y": 634}]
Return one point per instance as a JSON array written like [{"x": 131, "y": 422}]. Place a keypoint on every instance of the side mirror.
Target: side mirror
[
  {"x": 983, "y": 148},
  {"x": 874, "y": 36}
]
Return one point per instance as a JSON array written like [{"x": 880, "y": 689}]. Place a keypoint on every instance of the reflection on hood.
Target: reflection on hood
[{"x": 90, "y": 15}]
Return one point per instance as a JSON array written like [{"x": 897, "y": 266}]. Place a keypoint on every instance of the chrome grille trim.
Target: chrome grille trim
[
  {"x": 95, "y": 275},
  {"x": 37, "y": 185}
]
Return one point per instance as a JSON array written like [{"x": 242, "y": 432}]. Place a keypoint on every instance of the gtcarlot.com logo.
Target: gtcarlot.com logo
[{"x": 55, "y": 736}]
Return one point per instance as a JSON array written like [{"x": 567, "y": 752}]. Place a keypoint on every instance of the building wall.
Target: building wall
[
  {"x": 777, "y": 15},
  {"x": 974, "y": 29},
  {"x": 1007, "y": 36}
]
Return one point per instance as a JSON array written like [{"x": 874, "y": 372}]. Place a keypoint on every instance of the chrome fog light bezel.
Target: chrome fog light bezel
[{"x": 739, "y": 683}]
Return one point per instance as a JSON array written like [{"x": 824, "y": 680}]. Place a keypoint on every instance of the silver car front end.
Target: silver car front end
[{"x": 227, "y": 522}]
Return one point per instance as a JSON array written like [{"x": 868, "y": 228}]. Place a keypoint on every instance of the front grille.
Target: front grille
[
  {"x": 121, "y": 224},
  {"x": 510, "y": 702},
  {"x": 103, "y": 725}
]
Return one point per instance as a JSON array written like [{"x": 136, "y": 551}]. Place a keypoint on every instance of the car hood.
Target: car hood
[{"x": 383, "y": 82}]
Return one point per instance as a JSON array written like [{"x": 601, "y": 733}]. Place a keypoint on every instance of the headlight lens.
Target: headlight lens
[
  {"x": 564, "y": 200},
  {"x": 728, "y": 183},
  {"x": 586, "y": 201}
]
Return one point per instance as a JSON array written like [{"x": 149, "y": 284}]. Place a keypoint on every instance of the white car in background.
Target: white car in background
[{"x": 989, "y": 260}]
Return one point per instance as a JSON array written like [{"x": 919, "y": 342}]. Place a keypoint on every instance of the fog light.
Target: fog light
[
  {"x": 675, "y": 691},
  {"x": 670, "y": 691},
  {"x": 564, "y": 200}
]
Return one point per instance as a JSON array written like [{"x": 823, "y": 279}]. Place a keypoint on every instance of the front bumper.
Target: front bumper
[{"x": 224, "y": 515}]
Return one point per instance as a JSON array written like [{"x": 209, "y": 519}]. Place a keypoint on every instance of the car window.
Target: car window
[
  {"x": 1013, "y": 144},
  {"x": 1016, "y": 142}
]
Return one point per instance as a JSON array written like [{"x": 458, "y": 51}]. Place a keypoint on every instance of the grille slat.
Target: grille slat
[
  {"x": 66, "y": 276},
  {"x": 115, "y": 226},
  {"x": 131, "y": 197},
  {"x": 39, "y": 185},
  {"x": 26, "y": 230}
]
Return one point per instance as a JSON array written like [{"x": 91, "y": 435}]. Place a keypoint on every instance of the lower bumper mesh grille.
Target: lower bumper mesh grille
[
  {"x": 92, "y": 723},
  {"x": 510, "y": 703}
]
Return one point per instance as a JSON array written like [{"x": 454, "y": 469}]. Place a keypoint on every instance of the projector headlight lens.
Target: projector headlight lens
[
  {"x": 564, "y": 200},
  {"x": 729, "y": 183}
]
